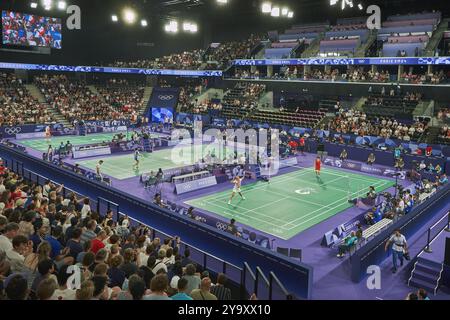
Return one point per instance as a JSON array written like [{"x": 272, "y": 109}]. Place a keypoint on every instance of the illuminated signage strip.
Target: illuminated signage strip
[
  {"x": 345, "y": 61},
  {"x": 86, "y": 69}
]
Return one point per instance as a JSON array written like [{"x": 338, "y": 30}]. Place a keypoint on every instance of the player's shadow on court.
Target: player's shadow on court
[{"x": 321, "y": 183}]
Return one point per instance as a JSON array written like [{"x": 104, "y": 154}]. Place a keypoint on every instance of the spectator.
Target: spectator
[
  {"x": 203, "y": 293},
  {"x": 219, "y": 290},
  {"x": 182, "y": 286},
  {"x": 158, "y": 286},
  {"x": 193, "y": 279}
]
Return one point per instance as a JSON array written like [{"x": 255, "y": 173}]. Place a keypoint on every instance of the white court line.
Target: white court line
[
  {"x": 353, "y": 174},
  {"x": 339, "y": 200},
  {"x": 297, "y": 225},
  {"x": 290, "y": 176},
  {"x": 243, "y": 214},
  {"x": 289, "y": 223}
]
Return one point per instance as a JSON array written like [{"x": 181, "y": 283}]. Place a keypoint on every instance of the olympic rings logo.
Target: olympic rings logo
[
  {"x": 166, "y": 98},
  {"x": 221, "y": 226},
  {"x": 13, "y": 130}
]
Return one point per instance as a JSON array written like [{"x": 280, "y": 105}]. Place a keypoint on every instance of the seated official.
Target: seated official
[
  {"x": 438, "y": 169},
  {"x": 344, "y": 155},
  {"x": 422, "y": 165},
  {"x": 399, "y": 164},
  {"x": 349, "y": 242},
  {"x": 430, "y": 168},
  {"x": 371, "y": 159},
  {"x": 442, "y": 180}
]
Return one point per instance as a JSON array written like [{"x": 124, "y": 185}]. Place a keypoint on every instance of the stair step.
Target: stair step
[
  {"x": 429, "y": 263},
  {"x": 421, "y": 284},
  {"x": 425, "y": 276},
  {"x": 427, "y": 270}
]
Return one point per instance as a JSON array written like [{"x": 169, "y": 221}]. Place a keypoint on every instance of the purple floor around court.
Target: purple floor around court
[{"x": 331, "y": 275}]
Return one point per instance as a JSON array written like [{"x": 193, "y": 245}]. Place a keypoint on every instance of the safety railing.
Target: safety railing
[
  {"x": 435, "y": 230},
  {"x": 248, "y": 281}
]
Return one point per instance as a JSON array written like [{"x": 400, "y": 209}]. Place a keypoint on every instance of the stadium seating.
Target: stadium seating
[{"x": 17, "y": 106}]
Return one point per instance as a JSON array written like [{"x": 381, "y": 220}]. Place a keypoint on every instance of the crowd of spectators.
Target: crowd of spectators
[
  {"x": 356, "y": 122},
  {"x": 188, "y": 60},
  {"x": 43, "y": 234},
  {"x": 431, "y": 78},
  {"x": 18, "y": 106},
  {"x": 126, "y": 98},
  {"x": 229, "y": 51},
  {"x": 74, "y": 100}
]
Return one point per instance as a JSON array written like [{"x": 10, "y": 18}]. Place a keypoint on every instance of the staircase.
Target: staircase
[
  {"x": 37, "y": 94},
  {"x": 436, "y": 38},
  {"x": 94, "y": 90},
  {"x": 361, "y": 50},
  {"x": 426, "y": 274},
  {"x": 147, "y": 95},
  {"x": 313, "y": 48}
]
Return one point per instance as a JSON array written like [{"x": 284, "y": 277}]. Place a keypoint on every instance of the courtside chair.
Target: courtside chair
[
  {"x": 295, "y": 253},
  {"x": 283, "y": 251}
]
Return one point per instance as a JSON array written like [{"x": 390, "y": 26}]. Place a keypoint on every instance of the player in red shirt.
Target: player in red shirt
[
  {"x": 301, "y": 143},
  {"x": 293, "y": 145},
  {"x": 317, "y": 165}
]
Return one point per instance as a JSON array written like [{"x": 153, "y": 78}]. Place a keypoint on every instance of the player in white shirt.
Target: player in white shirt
[
  {"x": 237, "y": 181},
  {"x": 48, "y": 134}
]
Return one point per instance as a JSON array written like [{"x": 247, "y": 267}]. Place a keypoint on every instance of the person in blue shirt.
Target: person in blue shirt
[
  {"x": 443, "y": 179},
  {"x": 377, "y": 216},
  {"x": 54, "y": 242},
  {"x": 430, "y": 168},
  {"x": 182, "y": 295}
]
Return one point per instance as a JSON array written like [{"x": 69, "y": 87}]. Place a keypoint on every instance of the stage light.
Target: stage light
[
  {"x": 62, "y": 5},
  {"x": 129, "y": 16},
  {"x": 46, "y": 3},
  {"x": 290, "y": 14},
  {"x": 275, "y": 12},
  {"x": 266, "y": 7},
  {"x": 333, "y": 2},
  {"x": 48, "y": 8},
  {"x": 144, "y": 23},
  {"x": 222, "y": 1},
  {"x": 190, "y": 27},
  {"x": 114, "y": 18},
  {"x": 284, "y": 11},
  {"x": 33, "y": 5},
  {"x": 171, "y": 27},
  {"x": 360, "y": 6}
]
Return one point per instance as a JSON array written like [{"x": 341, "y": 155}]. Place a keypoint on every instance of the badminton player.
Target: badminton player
[
  {"x": 317, "y": 165},
  {"x": 137, "y": 154},
  {"x": 237, "y": 181}
]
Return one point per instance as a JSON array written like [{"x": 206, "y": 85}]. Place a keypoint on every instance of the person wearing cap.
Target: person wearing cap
[{"x": 11, "y": 231}]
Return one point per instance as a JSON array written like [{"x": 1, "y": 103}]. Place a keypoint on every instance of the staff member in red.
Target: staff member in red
[
  {"x": 293, "y": 145},
  {"x": 301, "y": 144},
  {"x": 317, "y": 166}
]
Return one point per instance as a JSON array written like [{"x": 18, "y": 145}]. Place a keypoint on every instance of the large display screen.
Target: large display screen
[
  {"x": 161, "y": 115},
  {"x": 29, "y": 30}
]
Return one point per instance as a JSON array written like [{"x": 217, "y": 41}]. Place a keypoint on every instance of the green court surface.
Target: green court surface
[
  {"x": 291, "y": 202},
  {"x": 121, "y": 167},
  {"x": 42, "y": 144}
]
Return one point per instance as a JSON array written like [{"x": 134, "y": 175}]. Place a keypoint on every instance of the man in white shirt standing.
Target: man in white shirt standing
[
  {"x": 399, "y": 248},
  {"x": 11, "y": 230}
]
